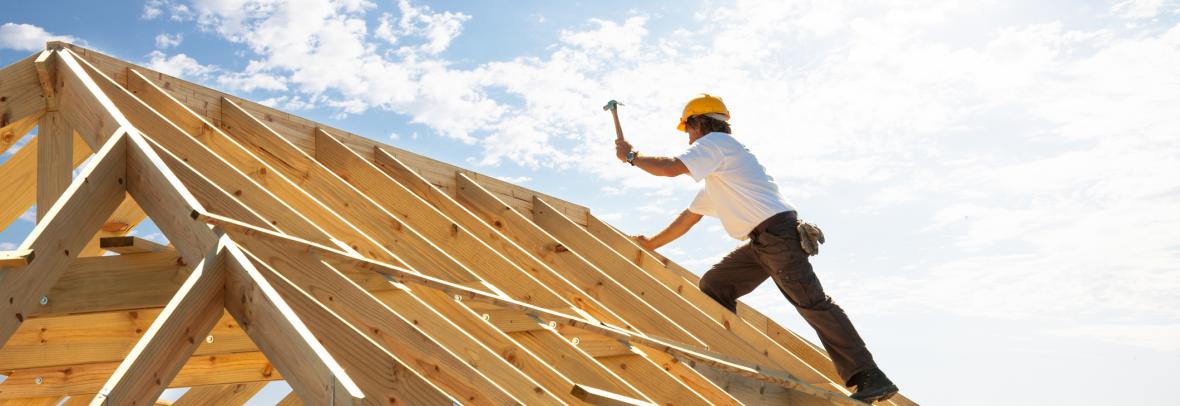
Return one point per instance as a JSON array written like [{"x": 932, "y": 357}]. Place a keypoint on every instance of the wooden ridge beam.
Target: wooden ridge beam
[
  {"x": 88, "y": 379},
  {"x": 88, "y": 200}
]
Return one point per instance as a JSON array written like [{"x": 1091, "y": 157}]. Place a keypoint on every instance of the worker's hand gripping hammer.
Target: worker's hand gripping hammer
[{"x": 613, "y": 107}]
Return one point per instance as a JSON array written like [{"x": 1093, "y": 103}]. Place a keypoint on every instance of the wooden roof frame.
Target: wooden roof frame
[{"x": 353, "y": 270}]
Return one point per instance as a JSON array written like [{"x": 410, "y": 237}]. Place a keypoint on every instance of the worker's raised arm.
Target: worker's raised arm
[
  {"x": 655, "y": 165},
  {"x": 679, "y": 226}
]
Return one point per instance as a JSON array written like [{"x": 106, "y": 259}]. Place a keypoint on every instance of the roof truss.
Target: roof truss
[{"x": 356, "y": 272}]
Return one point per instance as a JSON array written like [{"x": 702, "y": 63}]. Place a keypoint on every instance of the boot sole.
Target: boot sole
[{"x": 881, "y": 397}]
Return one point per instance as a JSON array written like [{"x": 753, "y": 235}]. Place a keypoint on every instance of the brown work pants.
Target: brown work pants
[{"x": 774, "y": 252}]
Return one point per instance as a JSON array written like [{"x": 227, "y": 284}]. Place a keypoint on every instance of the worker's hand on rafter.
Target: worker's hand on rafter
[{"x": 645, "y": 242}]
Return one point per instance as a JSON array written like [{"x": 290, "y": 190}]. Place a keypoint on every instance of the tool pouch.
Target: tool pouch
[{"x": 810, "y": 237}]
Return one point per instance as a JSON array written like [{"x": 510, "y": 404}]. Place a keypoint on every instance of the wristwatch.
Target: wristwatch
[{"x": 631, "y": 157}]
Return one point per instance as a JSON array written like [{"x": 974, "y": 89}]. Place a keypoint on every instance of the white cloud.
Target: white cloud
[
  {"x": 179, "y": 65},
  {"x": 156, "y": 8},
  {"x": 26, "y": 37},
  {"x": 29, "y": 215},
  {"x": 438, "y": 28},
  {"x": 7, "y": 246},
  {"x": 515, "y": 179},
  {"x": 165, "y": 40}
]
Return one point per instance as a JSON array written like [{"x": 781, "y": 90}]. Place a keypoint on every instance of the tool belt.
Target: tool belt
[{"x": 810, "y": 237}]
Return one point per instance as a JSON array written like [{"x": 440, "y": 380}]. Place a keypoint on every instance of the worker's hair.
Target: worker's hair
[{"x": 708, "y": 124}]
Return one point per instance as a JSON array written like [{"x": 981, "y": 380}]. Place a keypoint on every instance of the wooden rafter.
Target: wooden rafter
[
  {"x": 358, "y": 272},
  {"x": 313, "y": 373},
  {"x": 460, "y": 292}
]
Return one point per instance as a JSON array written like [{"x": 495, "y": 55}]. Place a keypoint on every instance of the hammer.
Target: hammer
[{"x": 613, "y": 107}]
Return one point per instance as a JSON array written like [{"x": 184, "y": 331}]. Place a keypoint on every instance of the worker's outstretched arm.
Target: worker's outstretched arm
[
  {"x": 679, "y": 226},
  {"x": 655, "y": 165}
]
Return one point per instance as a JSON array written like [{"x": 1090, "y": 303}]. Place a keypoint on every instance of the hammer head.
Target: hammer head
[{"x": 611, "y": 105}]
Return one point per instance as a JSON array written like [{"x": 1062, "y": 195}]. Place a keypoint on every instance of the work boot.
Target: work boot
[{"x": 872, "y": 385}]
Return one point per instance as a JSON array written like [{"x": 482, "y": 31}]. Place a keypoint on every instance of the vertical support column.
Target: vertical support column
[{"x": 54, "y": 160}]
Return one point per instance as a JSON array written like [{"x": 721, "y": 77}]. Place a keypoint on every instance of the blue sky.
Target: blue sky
[{"x": 997, "y": 180}]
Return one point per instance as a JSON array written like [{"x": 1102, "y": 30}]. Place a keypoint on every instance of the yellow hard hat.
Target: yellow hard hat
[{"x": 702, "y": 104}]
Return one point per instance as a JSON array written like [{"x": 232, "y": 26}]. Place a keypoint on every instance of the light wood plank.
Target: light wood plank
[
  {"x": 88, "y": 200},
  {"x": 601, "y": 397},
  {"x": 463, "y": 293},
  {"x": 47, "y": 77},
  {"x": 382, "y": 378},
  {"x": 84, "y": 105},
  {"x": 18, "y": 178},
  {"x": 44, "y": 401},
  {"x": 640, "y": 314},
  {"x": 85, "y": 379},
  {"x": 119, "y": 282},
  {"x": 171, "y": 339},
  {"x": 370, "y": 219},
  {"x": 20, "y": 96},
  {"x": 685, "y": 313},
  {"x": 290, "y": 400},
  {"x": 102, "y": 337},
  {"x": 54, "y": 160},
  {"x": 131, "y": 245},
  {"x": 11, "y": 132},
  {"x": 448, "y": 235},
  {"x": 495, "y": 382},
  {"x": 222, "y": 395},
  {"x": 801, "y": 356}
]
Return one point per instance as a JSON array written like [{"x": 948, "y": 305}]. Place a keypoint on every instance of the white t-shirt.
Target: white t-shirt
[{"x": 737, "y": 189}]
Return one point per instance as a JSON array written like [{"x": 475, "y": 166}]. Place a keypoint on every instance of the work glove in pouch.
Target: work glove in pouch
[{"x": 810, "y": 237}]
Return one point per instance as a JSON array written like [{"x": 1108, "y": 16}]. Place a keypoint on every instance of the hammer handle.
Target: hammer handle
[{"x": 618, "y": 128}]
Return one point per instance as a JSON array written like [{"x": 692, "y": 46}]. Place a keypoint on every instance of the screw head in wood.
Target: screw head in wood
[
  {"x": 209, "y": 339},
  {"x": 576, "y": 340},
  {"x": 37, "y": 380},
  {"x": 486, "y": 317},
  {"x": 44, "y": 300}
]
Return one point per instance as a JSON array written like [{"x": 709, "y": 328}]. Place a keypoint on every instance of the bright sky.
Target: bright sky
[{"x": 998, "y": 181}]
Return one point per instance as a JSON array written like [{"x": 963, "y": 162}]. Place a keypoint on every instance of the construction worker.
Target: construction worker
[{"x": 745, "y": 198}]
